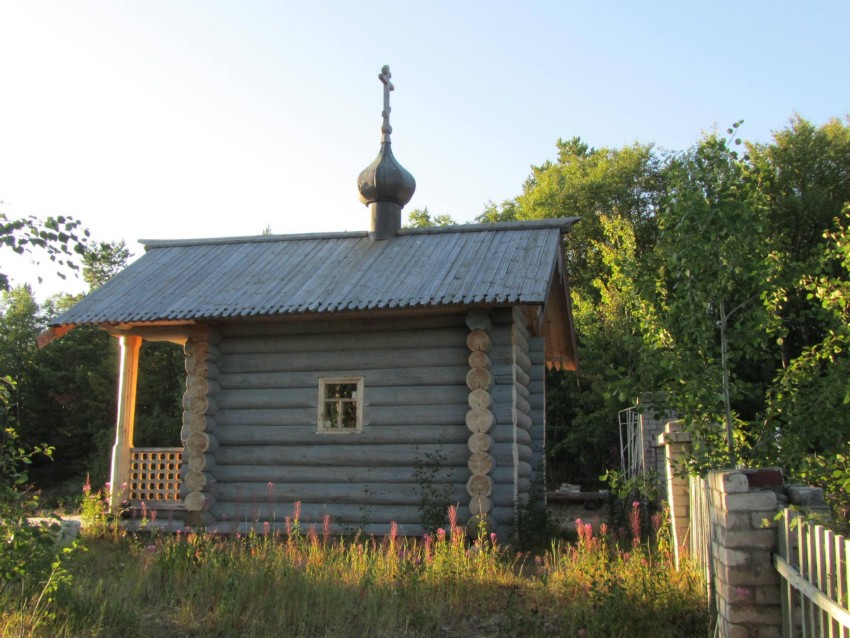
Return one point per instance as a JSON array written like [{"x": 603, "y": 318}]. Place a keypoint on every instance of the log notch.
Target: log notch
[
  {"x": 199, "y": 440},
  {"x": 479, "y": 421}
]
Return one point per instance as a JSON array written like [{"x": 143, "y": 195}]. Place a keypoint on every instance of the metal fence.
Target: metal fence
[{"x": 700, "y": 532}]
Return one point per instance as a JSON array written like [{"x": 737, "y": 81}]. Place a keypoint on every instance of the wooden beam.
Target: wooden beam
[{"x": 125, "y": 422}]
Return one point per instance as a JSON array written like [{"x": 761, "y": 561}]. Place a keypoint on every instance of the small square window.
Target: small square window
[{"x": 340, "y": 404}]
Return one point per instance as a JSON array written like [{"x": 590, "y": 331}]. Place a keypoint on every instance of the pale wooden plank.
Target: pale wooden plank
[
  {"x": 383, "y": 415},
  {"x": 830, "y": 565},
  {"x": 431, "y": 375},
  {"x": 297, "y": 326},
  {"x": 336, "y": 493},
  {"x": 308, "y": 397},
  {"x": 378, "y": 339},
  {"x": 354, "y": 362},
  {"x": 822, "y": 618},
  {"x": 801, "y": 557},
  {"x": 295, "y": 435},
  {"x": 844, "y": 575},
  {"x": 786, "y": 596},
  {"x": 341, "y": 454}
]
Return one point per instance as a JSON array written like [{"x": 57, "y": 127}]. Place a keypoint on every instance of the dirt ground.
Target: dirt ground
[{"x": 565, "y": 515}]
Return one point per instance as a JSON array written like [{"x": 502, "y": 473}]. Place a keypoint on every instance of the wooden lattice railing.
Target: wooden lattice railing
[{"x": 155, "y": 476}]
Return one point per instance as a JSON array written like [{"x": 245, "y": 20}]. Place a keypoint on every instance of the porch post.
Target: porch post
[{"x": 129, "y": 367}]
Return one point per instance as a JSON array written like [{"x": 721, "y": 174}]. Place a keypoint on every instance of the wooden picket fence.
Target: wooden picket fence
[{"x": 814, "y": 567}]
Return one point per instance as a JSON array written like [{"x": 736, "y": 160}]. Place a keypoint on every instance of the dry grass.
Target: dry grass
[{"x": 312, "y": 584}]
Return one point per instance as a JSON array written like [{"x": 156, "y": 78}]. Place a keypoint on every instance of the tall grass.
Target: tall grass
[{"x": 310, "y": 583}]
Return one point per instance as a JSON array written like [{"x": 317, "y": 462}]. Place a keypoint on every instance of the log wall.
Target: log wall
[
  {"x": 269, "y": 454},
  {"x": 537, "y": 403}
]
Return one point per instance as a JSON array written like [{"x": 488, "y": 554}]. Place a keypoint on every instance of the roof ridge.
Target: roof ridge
[{"x": 563, "y": 223}]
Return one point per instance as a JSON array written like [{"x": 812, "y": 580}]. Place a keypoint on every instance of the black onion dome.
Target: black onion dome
[{"x": 385, "y": 180}]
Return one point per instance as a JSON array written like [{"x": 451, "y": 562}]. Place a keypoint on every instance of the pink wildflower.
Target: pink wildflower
[
  {"x": 393, "y": 533},
  {"x": 87, "y": 486},
  {"x": 151, "y": 549},
  {"x": 270, "y": 487},
  {"x": 634, "y": 521},
  {"x": 266, "y": 528},
  {"x": 656, "y": 522},
  {"x": 441, "y": 534},
  {"x": 296, "y": 511},
  {"x": 452, "y": 517},
  {"x": 493, "y": 538},
  {"x": 326, "y": 528}
]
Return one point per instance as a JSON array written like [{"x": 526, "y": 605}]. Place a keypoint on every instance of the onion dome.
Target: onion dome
[{"x": 385, "y": 185}]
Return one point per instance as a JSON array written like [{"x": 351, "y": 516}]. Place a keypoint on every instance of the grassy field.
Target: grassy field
[{"x": 309, "y": 583}]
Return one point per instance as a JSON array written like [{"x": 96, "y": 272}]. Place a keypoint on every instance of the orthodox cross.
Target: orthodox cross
[{"x": 384, "y": 77}]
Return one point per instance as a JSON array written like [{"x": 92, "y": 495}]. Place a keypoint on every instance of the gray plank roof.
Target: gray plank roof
[{"x": 487, "y": 264}]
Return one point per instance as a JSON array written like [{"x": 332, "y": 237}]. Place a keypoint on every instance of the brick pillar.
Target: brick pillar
[
  {"x": 677, "y": 444},
  {"x": 743, "y": 531}
]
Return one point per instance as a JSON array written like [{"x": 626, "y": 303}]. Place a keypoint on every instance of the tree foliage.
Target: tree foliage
[
  {"x": 421, "y": 218},
  {"x": 714, "y": 276},
  {"x": 62, "y": 239}
]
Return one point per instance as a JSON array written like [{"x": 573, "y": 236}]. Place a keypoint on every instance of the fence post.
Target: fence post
[
  {"x": 743, "y": 507},
  {"x": 677, "y": 443}
]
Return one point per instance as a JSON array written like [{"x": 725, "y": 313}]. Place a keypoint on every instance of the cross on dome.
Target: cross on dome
[{"x": 384, "y": 77}]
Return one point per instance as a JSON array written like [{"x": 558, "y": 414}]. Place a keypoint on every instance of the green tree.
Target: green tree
[
  {"x": 504, "y": 212},
  {"x": 616, "y": 192},
  {"x": 713, "y": 254},
  {"x": 102, "y": 260},
  {"x": 421, "y": 218},
  {"x": 808, "y": 407},
  {"x": 804, "y": 174}
]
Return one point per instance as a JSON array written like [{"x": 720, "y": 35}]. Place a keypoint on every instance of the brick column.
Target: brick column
[
  {"x": 743, "y": 532},
  {"x": 676, "y": 444}
]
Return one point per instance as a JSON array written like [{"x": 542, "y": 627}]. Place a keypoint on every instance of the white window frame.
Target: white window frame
[{"x": 321, "y": 426}]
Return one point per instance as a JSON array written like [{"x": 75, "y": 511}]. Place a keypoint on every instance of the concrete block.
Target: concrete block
[
  {"x": 733, "y": 483},
  {"x": 764, "y": 520},
  {"x": 806, "y": 496},
  {"x": 764, "y": 538},
  {"x": 755, "y": 614},
  {"x": 750, "y": 576},
  {"x": 749, "y": 501},
  {"x": 768, "y": 595},
  {"x": 733, "y": 520},
  {"x": 752, "y": 631},
  {"x": 732, "y": 557}
]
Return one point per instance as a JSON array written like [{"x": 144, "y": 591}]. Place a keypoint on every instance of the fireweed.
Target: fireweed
[{"x": 309, "y": 582}]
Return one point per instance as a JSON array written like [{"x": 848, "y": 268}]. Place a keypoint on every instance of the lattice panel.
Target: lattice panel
[{"x": 155, "y": 475}]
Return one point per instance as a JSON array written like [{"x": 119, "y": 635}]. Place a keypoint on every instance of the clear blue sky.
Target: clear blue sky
[{"x": 199, "y": 118}]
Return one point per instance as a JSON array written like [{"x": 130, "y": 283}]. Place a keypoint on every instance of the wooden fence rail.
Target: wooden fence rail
[{"x": 814, "y": 565}]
